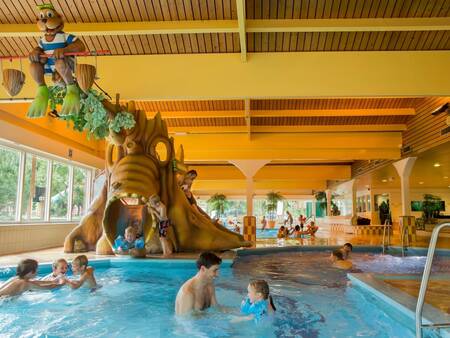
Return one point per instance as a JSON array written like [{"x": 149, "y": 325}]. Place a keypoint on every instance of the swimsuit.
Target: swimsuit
[
  {"x": 257, "y": 309},
  {"x": 120, "y": 242},
  {"x": 163, "y": 227}
]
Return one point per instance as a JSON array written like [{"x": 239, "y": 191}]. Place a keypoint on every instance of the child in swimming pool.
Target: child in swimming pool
[
  {"x": 258, "y": 303},
  {"x": 25, "y": 273},
  {"x": 123, "y": 246},
  {"x": 80, "y": 267},
  {"x": 59, "y": 270}
]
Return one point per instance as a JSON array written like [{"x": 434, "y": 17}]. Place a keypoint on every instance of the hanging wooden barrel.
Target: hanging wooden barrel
[
  {"x": 85, "y": 75},
  {"x": 13, "y": 80}
]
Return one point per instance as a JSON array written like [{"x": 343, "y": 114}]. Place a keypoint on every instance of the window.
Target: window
[
  {"x": 59, "y": 191},
  {"x": 9, "y": 173},
  {"x": 79, "y": 192},
  {"x": 34, "y": 188}
]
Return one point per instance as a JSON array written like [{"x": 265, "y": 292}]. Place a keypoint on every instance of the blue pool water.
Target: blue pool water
[{"x": 137, "y": 300}]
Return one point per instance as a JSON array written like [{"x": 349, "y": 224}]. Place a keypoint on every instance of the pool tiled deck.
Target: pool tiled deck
[{"x": 323, "y": 237}]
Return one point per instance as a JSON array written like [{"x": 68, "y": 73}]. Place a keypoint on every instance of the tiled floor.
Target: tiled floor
[{"x": 438, "y": 292}]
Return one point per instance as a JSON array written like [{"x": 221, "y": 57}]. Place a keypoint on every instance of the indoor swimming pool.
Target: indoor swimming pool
[{"x": 137, "y": 298}]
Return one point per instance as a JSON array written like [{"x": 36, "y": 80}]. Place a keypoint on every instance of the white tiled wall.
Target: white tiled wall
[{"x": 29, "y": 237}]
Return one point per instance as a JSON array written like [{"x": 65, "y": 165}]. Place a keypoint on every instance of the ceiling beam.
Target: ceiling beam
[
  {"x": 287, "y": 129},
  {"x": 240, "y": 26},
  {"x": 240, "y": 7},
  {"x": 268, "y": 75},
  {"x": 291, "y": 146}
]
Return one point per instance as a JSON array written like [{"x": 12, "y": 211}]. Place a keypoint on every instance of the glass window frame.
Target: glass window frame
[{"x": 23, "y": 151}]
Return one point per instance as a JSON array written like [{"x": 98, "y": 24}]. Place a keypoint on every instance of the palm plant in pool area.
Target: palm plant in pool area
[
  {"x": 217, "y": 204},
  {"x": 272, "y": 199}
]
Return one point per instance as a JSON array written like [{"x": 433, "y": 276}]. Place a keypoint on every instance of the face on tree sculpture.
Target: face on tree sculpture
[{"x": 49, "y": 21}]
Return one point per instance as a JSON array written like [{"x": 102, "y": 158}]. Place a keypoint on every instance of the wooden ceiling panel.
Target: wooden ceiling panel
[
  {"x": 329, "y": 120},
  {"x": 348, "y": 41},
  {"x": 369, "y": 103},
  {"x": 325, "y": 9},
  {"x": 209, "y": 105},
  {"x": 206, "y": 122}
]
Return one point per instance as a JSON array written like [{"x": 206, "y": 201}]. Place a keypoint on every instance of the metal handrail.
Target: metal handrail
[
  {"x": 424, "y": 283},
  {"x": 403, "y": 235},
  {"x": 387, "y": 226}
]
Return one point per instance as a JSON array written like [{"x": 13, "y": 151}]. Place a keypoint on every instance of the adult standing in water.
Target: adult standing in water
[{"x": 198, "y": 293}]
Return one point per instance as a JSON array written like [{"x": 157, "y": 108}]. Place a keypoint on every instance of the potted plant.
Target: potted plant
[
  {"x": 321, "y": 198},
  {"x": 217, "y": 205},
  {"x": 430, "y": 207},
  {"x": 271, "y": 203}
]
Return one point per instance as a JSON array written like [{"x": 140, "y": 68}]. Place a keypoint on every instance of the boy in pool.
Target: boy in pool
[
  {"x": 25, "y": 273},
  {"x": 59, "y": 270},
  {"x": 124, "y": 246},
  {"x": 337, "y": 258},
  {"x": 80, "y": 267},
  {"x": 346, "y": 249},
  {"x": 258, "y": 303}
]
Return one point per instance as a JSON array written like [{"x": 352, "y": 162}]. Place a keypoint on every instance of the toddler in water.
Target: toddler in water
[
  {"x": 59, "y": 270},
  {"x": 123, "y": 245},
  {"x": 25, "y": 273},
  {"x": 80, "y": 267},
  {"x": 258, "y": 303}
]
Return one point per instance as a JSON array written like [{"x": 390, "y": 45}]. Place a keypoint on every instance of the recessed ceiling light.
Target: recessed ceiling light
[
  {"x": 384, "y": 180},
  {"x": 420, "y": 182},
  {"x": 445, "y": 177},
  {"x": 436, "y": 165}
]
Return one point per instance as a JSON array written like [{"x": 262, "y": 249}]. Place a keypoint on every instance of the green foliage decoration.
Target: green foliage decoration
[{"x": 92, "y": 116}]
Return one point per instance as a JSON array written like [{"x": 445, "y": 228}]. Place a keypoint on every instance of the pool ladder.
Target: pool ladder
[
  {"x": 424, "y": 283},
  {"x": 386, "y": 226}
]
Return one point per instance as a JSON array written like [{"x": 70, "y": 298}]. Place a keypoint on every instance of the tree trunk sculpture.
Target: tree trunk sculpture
[{"x": 141, "y": 162}]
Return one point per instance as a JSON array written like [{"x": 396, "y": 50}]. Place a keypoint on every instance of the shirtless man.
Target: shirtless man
[
  {"x": 26, "y": 271},
  {"x": 198, "y": 293}
]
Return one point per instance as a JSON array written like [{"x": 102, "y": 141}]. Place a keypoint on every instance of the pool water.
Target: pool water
[{"x": 137, "y": 300}]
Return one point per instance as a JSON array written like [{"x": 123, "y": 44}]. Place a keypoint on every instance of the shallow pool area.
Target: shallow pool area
[{"x": 313, "y": 299}]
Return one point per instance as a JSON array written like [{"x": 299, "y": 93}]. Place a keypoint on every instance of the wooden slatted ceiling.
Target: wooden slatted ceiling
[
  {"x": 206, "y": 105},
  {"x": 24, "y": 11},
  {"x": 364, "y": 103},
  {"x": 347, "y": 41},
  {"x": 327, "y": 120},
  {"x": 424, "y": 130},
  {"x": 206, "y": 122},
  {"x": 290, "y": 104},
  {"x": 326, "y": 9}
]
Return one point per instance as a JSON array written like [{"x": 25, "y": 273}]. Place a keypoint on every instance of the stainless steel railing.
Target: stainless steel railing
[
  {"x": 424, "y": 283},
  {"x": 386, "y": 226}
]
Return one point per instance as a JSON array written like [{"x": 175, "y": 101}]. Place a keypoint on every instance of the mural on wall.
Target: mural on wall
[{"x": 140, "y": 163}]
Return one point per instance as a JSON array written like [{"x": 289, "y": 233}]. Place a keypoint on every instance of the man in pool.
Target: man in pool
[
  {"x": 338, "y": 261},
  {"x": 198, "y": 293}
]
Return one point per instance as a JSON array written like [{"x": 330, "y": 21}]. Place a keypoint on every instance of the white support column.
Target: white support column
[
  {"x": 249, "y": 168},
  {"x": 354, "y": 205},
  {"x": 313, "y": 208},
  {"x": 328, "y": 195},
  {"x": 404, "y": 168},
  {"x": 70, "y": 195},
  {"x": 249, "y": 194}
]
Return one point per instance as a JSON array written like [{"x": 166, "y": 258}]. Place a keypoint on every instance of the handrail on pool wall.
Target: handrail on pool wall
[{"x": 424, "y": 283}]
